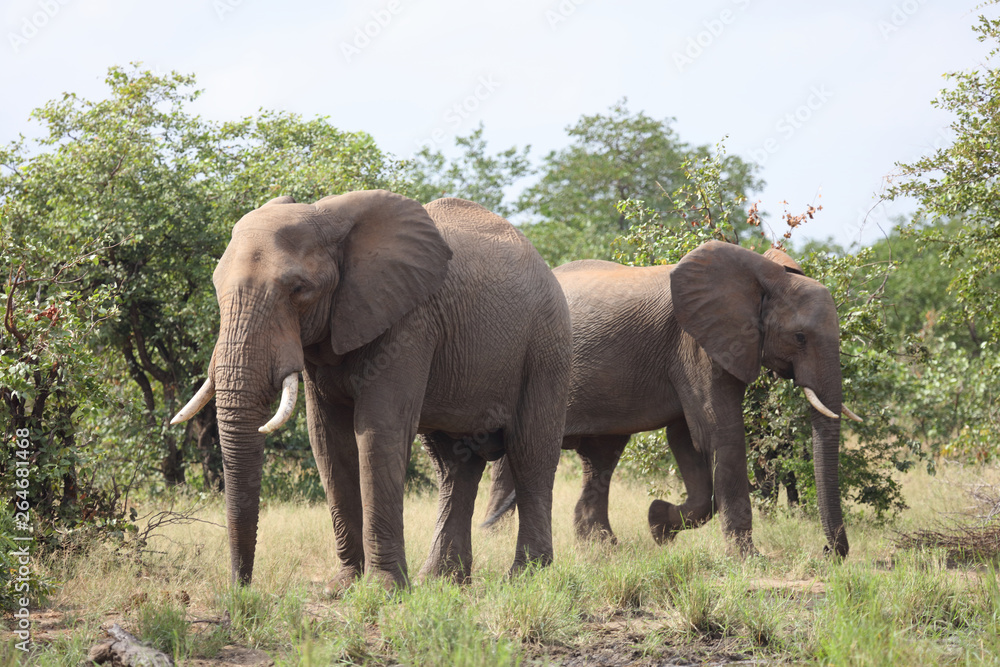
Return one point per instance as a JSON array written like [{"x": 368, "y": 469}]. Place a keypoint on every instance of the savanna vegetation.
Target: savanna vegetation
[{"x": 113, "y": 219}]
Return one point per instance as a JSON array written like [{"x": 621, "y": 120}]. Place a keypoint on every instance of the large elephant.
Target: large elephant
[
  {"x": 675, "y": 347},
  {"x": 403, "y": 319}
]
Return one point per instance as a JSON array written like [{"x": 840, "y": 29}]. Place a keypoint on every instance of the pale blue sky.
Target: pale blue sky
[{"x": 826, "y": 95}]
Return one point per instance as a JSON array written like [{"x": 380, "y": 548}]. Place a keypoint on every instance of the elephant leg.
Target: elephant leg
[
  {"x": 599, "y": 455},
  {"x": 384, "y": 438},
  {"x": 792, "y": 489},
  {"x": 459, "y": 470},
  {"x": 533, "y": 443},
  {"x": 732, "y": 495},
  {"x": 667, "y": 519},
  {"x": 502, "y": 500},
  {"x": 331, "y": 435}
]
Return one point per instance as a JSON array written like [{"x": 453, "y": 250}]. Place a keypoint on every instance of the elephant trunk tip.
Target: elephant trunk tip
[{"x": 840, "y": 547}]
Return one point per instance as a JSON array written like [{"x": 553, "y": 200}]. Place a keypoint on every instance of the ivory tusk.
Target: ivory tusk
[
  {"x": 197, "y": 402},
  {"x": 818, "y": 404},
  {"x": 850, "y": 415},
  {"x": 289, "y": 392}
]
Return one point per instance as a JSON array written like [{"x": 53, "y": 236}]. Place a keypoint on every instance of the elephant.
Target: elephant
[
  {"x": 675, "y": 346},
  {"x": 441, "y": 320}
]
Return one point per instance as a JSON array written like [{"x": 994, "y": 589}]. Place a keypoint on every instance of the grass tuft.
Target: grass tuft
[
  {"x": 689, "y": 602},
  {"x": 537, "y": 606},
  {"x": 163, "y": 625},
  {"x": 436, "y": 625}
]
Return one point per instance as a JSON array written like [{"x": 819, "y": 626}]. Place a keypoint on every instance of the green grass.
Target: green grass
[{"x": 686, "y": 601}]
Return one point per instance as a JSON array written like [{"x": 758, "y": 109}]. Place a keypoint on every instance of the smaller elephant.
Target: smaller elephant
[
  {"x": 675, "y": 347},
  {"x": 440, "y": 320}
]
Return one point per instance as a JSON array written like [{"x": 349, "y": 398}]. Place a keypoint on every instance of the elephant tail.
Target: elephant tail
[{"x": 506, "y": 506}]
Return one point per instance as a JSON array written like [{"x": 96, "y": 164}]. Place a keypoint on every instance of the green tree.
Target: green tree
[
  {"x": 50, "y": 380},
  {"x": 624, "y": 156},
  {"x": 956, "y": 402},
  {"x": 917, "y": 296},
  {"x": 475, "y": 175},
  {"x": 158, "y": 189},
  {"x": 958, "y": 182}
]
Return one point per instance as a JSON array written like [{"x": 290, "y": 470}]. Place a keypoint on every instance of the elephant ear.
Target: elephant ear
[
  {"x": 392, "y": 258},
  {"x": 781, "y": 257},
  {"x": 717, "y": 291}
]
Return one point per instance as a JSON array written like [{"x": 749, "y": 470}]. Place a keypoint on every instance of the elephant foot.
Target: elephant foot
[
  {"x": 524, "y": 563},
  {"x": 451, "y": 570},
  {"x": 667, "y": 519},
  {"x": 740, "y": 545},
  {"x": 342, "y": 581},
  {"x": 664, "y": 521},
  {"x": 391, "y": 579},
  {"x": 454, "y": 575},
  {"x": 595, "y": 532}
]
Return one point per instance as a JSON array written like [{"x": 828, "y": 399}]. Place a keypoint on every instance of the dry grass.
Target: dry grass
[
  {"x": 967, "y": 532},
  {"x": 633, "y": 603}
]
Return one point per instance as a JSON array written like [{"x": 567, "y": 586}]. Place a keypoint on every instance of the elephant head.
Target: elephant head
[
  {"x": 328, "y": 277},
  {"x": 745, "y": 311}
]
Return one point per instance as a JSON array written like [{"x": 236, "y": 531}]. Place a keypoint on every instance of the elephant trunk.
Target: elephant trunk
[
  {"x": 826, "y": 465},
  {"x": 247, "y": 364},
  {"x": 243, "y": 464}
]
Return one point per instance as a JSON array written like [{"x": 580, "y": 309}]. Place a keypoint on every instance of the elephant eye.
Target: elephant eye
[
  {"x": 800, "y": 338},
  {"x": 298, "y": 287},
  {"x": 299, "y": 291}
]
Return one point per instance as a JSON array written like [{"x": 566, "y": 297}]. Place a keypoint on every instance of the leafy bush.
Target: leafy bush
[
  {"x": 950, "y": 399},
  {"x": 958, "y": 192}
]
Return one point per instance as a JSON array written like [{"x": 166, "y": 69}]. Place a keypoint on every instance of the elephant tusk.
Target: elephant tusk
[
  {"x": 818, "y": 404},
  {"x": 289, "y": 392},
  {"x": 850, "y": 415},
  {"x": 197, "y": 402}
]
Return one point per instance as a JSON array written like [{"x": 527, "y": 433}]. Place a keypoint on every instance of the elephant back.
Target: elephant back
[
  {"x": 457, "y": 217},
  {"x": 485, "y": 245},
  {"x": 500, "y": 304}
]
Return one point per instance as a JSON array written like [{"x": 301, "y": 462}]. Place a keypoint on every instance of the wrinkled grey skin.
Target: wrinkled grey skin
[
  {"x": 675, "y": 347},
  {"x": 403, "y": 319}
]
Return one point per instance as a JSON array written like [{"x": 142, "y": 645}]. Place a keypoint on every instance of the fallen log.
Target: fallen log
[{"x": 123, "y": 649}]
